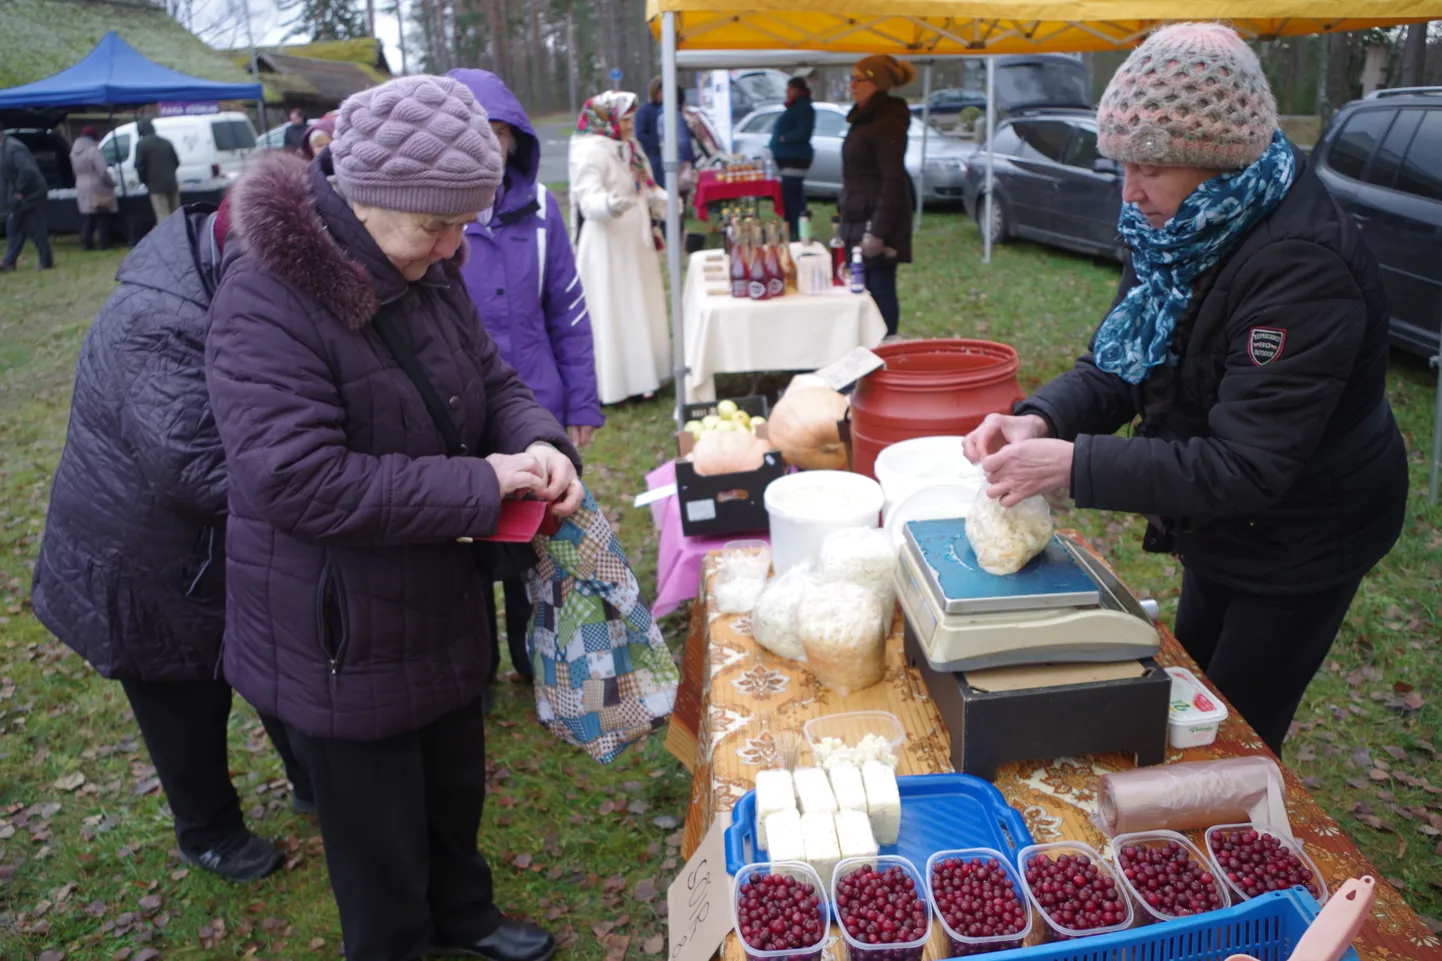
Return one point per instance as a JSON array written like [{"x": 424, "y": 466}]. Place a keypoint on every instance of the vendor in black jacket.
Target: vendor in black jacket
[{"x": 1249, "y": 339}]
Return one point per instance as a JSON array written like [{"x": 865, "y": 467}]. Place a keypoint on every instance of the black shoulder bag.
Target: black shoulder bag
[{"x": 502, "y": 562}]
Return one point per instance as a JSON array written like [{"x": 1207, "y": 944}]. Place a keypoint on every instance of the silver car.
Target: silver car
[{"x": 946, "y": 157}]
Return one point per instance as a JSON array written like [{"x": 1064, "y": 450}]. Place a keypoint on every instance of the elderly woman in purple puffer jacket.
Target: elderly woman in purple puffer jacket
[
  {"x": 522, "y": 276},
  {"x": 369, "y": 423}
]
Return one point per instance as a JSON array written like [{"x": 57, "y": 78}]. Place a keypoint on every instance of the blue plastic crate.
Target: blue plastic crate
[
  {"x": 939, "y": 812},
  {"x": 1267, "y": 927}
]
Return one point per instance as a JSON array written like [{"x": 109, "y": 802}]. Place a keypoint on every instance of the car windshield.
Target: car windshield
[
  {"x": 1054, "y": 82},
  {"x": 760, "y": 87}
]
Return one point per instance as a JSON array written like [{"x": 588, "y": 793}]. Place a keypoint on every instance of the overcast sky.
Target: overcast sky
[{"x": 222, "y": 24}]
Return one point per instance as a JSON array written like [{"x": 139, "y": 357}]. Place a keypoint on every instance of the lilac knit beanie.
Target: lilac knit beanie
[
  {"x": 1192, "y": 95},
  {"x": 420, "y": 144}
]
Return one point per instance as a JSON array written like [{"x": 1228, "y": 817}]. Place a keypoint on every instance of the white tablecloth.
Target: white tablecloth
[{"x": 725, "y": 335}]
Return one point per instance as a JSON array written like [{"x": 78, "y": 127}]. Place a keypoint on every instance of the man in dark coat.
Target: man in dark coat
[
  {"x": 295, "y": 131},
  {"x": 651, "y": 135},
  {"x": 156, "y": 163},
  {"x": 369, "y": 426},
  {"x": 1265, "y": 455},
  {"x": 23, "y": 192},
  {"x": 131, "y": 572},
  {"x": 791, "y": 149},
  {"x": 875, "y": 205}
]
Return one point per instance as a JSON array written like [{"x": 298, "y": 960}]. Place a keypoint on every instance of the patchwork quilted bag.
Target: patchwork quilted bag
[{"x": 604, "y": 676}]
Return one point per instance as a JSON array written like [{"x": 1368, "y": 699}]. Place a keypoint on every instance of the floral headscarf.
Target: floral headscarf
[{"x": 601, "y": 116}]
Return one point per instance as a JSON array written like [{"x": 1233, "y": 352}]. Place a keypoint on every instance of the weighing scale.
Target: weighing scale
[{"x": 1064, "y": 606}]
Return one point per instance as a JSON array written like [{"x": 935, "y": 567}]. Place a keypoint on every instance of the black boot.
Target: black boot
[
  {"x": 512, "y": 941},
  {"x": 242, "y": 859}
]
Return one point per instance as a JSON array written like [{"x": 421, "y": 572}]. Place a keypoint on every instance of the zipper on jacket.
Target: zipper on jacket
[
  {"x": 209, "y": 535},
  {"x": 329, "y": 592}
]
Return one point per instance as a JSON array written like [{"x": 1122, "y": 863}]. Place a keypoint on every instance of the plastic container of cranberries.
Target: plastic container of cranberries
[
  {"x": 1146, "y": 914},
  {"x": 966, "y": 946},
  {"x": 905, "y": 951},
  {"x": 1055, "y": 930},
  {"x": 1295, "y": 847},
  {"x": 801, "y": 871}
]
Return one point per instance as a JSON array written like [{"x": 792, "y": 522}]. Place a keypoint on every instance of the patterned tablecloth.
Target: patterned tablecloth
[{"x": 735, "y": 696}]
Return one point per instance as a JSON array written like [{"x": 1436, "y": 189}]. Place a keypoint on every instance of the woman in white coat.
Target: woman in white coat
[{"x": 614, "y": 199}]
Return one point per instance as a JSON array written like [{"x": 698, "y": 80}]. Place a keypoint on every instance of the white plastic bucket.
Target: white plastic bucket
[
  {"x": 805, "y": 507},
  {"x": 931, "y": 503},
  {"x": 910, "y": 465}
]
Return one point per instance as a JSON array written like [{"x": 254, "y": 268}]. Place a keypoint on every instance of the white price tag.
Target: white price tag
[
  {"x": 698, "y": 903},
  {"x": 853, "y": 365},
  {"x": 655, "y": 494}
]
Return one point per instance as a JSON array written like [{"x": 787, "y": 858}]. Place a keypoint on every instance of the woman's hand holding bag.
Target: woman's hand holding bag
[
  {"x": 560, "y": 486},
  {"x": 518, "y": 473}
]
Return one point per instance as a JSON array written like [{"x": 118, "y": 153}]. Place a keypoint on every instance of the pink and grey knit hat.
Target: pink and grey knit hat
[
  {"x": 1192, "y": 95},
  {"x": 420, "y": 144}
]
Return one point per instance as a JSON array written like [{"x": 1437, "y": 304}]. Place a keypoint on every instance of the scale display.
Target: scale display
[{"x": 1053, "y": 579}]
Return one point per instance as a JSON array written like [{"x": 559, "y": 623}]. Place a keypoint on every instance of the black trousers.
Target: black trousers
[
  {"x": 793, "y": 195},
  {"x": 91, "y": 223},
  {"x": 399, "y": 819},
  {"x": 1260, "y": 650},
  {"x": 881, "y": 283},
  {"x": 28, "y": 224},
  {"x": 184, "y": 724},
  {"x": 518, "y": 622}
]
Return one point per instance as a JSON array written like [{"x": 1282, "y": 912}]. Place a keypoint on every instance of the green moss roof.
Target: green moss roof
[
  {"x": 39, "y": 38},
  {"x": 364, "y": 50}
]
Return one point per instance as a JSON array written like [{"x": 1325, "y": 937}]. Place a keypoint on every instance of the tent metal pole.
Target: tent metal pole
[
  {"x": 675, "y": 243},
  {"x": 1436, "y": 433},
  {"x": 925, "y": 129},
  {"x": 990, "y": 158}
]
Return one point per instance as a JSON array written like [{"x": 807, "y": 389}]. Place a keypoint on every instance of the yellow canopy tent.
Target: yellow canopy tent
[{"x": 919, "y": 29}]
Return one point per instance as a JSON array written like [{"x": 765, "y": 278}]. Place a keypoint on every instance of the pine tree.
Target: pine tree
[{"x": 323, "y": 19}]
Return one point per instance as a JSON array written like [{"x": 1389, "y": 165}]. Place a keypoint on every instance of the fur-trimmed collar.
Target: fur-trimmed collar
[{"x": 298, "y": 228}]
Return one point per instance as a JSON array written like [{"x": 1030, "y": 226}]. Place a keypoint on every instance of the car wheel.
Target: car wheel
[{"x": 1000, "y": 225}]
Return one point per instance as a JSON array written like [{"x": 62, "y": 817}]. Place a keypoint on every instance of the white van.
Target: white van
[{"x": 212, "y": 149}]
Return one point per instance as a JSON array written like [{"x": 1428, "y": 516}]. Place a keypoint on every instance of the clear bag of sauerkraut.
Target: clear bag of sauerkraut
[
  {"x": 773, "y": 617},
  {"x": 1005, "y": 539},
  {"x": 865, "y": 556},
  {"x": 840, "y": 628}
]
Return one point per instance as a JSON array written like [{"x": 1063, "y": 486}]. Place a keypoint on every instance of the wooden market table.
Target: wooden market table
[{"x": 735, "y": 696}]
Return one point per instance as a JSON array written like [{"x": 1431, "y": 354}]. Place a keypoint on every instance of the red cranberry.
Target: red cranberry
[
  {"x": 977, "y": 899},
  {"x": 776, "y": 912},
  {"x": 883, "y": 907},
  {"x": 1074, "y": 892},
  {"x": 1256, "y": 862},
  {"x": 1169, "y": 880}
]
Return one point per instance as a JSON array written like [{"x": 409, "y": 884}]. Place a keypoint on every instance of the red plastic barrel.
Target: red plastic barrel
[{"x": 929, "y": 388}]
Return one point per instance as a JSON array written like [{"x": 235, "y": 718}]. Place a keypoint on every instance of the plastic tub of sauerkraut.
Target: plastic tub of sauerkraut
[{"x": 805, "y": 507}]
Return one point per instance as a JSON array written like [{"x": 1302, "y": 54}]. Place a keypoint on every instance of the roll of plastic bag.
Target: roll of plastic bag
[
  {"x": 1005, "y": 539},
  {"x": 1198, "y": 794}
]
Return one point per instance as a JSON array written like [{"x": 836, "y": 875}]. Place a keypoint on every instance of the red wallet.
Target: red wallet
[{"x": 522, "y": 520}]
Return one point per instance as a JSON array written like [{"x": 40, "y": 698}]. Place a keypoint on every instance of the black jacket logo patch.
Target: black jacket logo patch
[{"x": 1264, "y": 344}]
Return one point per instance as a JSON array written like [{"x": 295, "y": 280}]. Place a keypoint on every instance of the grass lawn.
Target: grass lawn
[{"x": 87, "y": 866}]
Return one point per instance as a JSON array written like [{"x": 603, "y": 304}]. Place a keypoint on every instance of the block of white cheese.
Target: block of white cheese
[
  {"x": 773, "y": 793},
  {"x": 853, "y": 835},
  {"x": 883, "y": 801},
  {"x": 813, "y": 790},
  {"x": 783, "y": 828},
  {"x": 846, "y": 785},
  {"x": 822, "y": 851}
]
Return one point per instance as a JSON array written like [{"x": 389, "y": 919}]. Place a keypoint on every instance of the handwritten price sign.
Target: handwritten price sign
[{"x": 698, "y": 903}]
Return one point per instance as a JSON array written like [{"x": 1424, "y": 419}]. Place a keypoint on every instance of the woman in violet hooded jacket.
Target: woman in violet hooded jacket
[{"x": 522, "y": 276}]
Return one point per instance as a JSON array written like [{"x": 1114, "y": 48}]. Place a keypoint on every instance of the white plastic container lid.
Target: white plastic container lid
[
  {"x": 1192, "y": 704},
  {"x": 935, "y": 502},
  {"x": 910, "y": 465}
]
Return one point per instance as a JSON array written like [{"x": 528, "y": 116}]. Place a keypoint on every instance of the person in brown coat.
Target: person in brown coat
[
  {"x": 94, "y": 190},
  {"x": 876, "y": 195}
]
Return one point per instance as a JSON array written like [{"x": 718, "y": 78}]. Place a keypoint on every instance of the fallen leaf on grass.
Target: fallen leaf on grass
[
  {"x": 638, "y": 807},
  {"x": 1374, "y": 822},
  {"x": 606, "y": 808},
  {"x": 1402, "y": 687},
  {"x": 616, "y": 946},
  {"x": 1306, "y": 753},
  {"x": 654, "y": 945},
  {"x": 645, "y": 890},
  {"x": 150, "y": 904},
  {"x": 603, "y": 929},
  {"x": 522, "y": 861},
  {"x": 1433, "y": 925},
  {"x": 1397, "y": 883},
  {"x": 665, "y": 822},
  {"x": 674, "y": 840},
  {"x": 1412, "y": 701},
  {"x": 1429, "y": 831},
  {"x": 52, "y": 956},
  {"x": 145, "y": 954},
  {"x": 69, "y": 782},
  {"x": 614, "y": 883},
  {"x": 555, "y": 873},
  {"x": 1357, "y": 783},
  {"x": 1361, "y": 757},
  {"x": 179, "y": 874},
  {"x": 317, "y": 943},
  {"x": 1312, "y": 783},
  {"x": 1377, "y": 774}
]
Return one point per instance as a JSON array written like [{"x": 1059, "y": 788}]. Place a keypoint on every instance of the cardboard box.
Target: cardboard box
[
  {"x": 1050, "y": 710},
  {"x": 724, "y": 503}
]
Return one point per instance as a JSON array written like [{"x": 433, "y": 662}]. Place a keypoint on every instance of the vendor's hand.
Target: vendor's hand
[
  {"x": 557, "y": 472},
  {"x": 569, "y": 503},
  {"x": 872, "y": 246},
  {"x": 516, "y": 473},
  {"x": 998, "y": 430},
  {"x": 580, "y": 434},
  {"x": 618, "y": 205},
  {"x": 1027, "y": 467},
  {"x": 658, "y": 238}
]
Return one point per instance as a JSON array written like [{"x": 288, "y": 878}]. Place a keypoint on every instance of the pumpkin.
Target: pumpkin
[
  {"x": 807, "y": 380},
  {"x": 805, "y": 427},
  {"x": 728, "y": 452}
]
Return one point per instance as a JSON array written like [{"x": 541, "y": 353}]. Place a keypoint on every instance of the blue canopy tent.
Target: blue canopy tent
[{"x": 116, "y": 74}]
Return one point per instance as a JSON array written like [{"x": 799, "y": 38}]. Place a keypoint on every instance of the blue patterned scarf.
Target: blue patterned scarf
[{"x": 1137, "y": 334}]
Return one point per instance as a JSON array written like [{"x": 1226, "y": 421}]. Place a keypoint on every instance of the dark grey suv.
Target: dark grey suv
[{"x": 1382, "y": 160}]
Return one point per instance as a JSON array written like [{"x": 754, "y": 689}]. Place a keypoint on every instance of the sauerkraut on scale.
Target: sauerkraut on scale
[{"x": 1005, "y": 539}]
